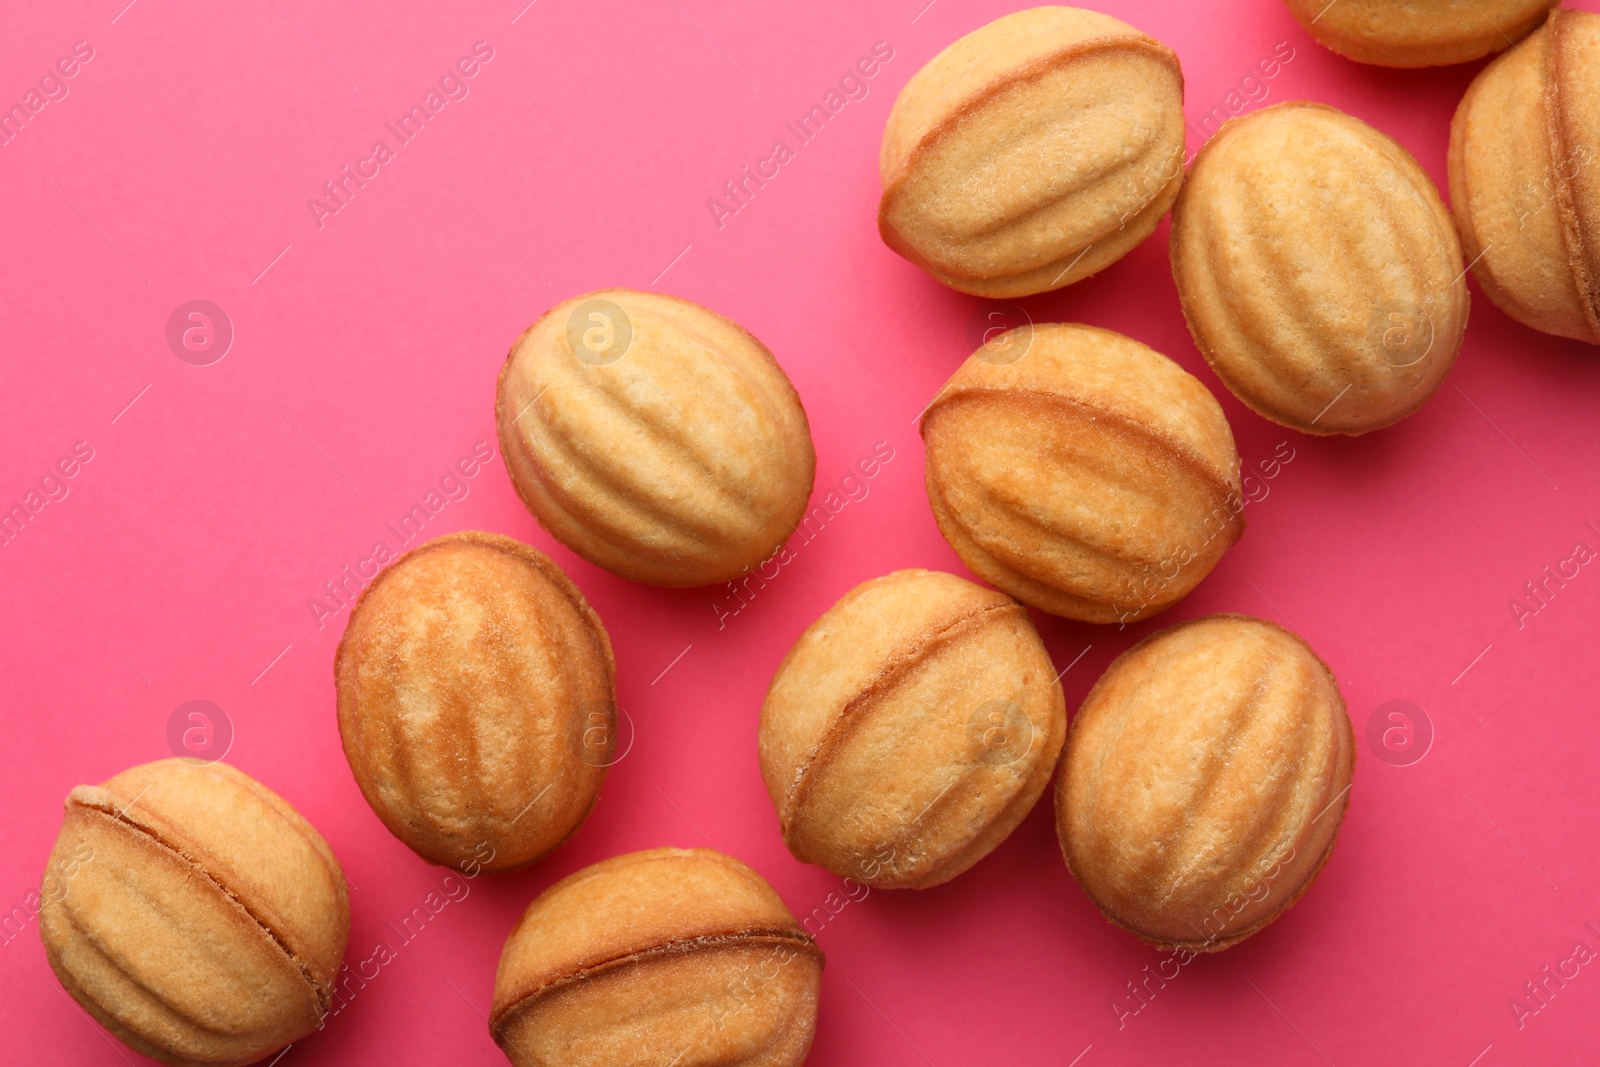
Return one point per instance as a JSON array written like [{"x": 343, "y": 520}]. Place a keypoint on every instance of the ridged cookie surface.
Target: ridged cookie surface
[
  {"x": 1525, "y": 178},
  {"x": 1092, "y": 478},
  {"x": 910, "y": 729},
  {"x": 1318, "y": 269},
  {"x": 1032, "y": 152},
  {"x": 477, "y": 701},
  {"x": 1418, "y": 33},
  {"x": 1204, "y": 782},
  {"x": 654, "y": 438},
  {"x": 194, "y": 913},
  {"x": 681, "y": 956}
]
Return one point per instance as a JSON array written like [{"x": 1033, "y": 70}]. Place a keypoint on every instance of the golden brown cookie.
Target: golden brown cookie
[
  {"x": 1418, "y": 33},
  {"x": 1082, "y": 472},
  {"x": 1318, "y": 269},
  {"x": 194, "y": 913},
  {"x": 477, "y": 701},
  {"x": 1205, "y": 779},
  {"x": 1033, "y": 152},
  {"x": 680, "y": 956},
  {"x": 910, "y": 729},
  {"x": 654, "y": 438},
  {"x": 1525, "y": 178}
]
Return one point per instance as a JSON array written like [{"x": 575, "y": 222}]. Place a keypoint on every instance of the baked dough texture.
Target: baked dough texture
[
  {"x": 680, "y": 956},
  {"x": 194, "y": 913},
  {"x": 1418, "y": 33},
  {"x": 910, "y": 729},
  {"x": 1525, "y": 178},
  {"x": 1204, "y": 782},
  {"x": 654, "y": 438},
  {"x": 1092, "y": 478},
  {"x": 477, "y": 701},
  {"x": 1033, "y": 152},
  {"x": 1318, "y": 269}
]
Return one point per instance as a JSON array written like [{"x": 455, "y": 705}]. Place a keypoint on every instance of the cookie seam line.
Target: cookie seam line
[
  {"x": 321, "y": 996},
  {"x": 1137, "y": 43},
  {"x": 1583, "y": 257},
  {"x": 1104, "y": 416},
  {"x": 855, "y": 708},
  {"x": 499, "y": 1018}
]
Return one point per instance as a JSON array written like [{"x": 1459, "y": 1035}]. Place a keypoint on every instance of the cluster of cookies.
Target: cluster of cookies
[{"x": 910, "y": 729}]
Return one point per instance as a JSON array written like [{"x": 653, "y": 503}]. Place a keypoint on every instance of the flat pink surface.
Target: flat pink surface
[{"x": 182, "y": 562}]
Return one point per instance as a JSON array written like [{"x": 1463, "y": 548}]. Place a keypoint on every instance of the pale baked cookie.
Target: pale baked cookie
[
  {"x": 910, "y": 729},
  {"x": 1525, "y": 178},
  {"x": 1033, "y": 152},
  {"x": 672, "y": 956},
  {"x": 1205, "y": 779},
  {"x": 1418, "y": 33},
  {"x": 654, "y": 438},
  {"x": 1092, "y": 478},
  {"x": 1318, "y": 269},
  {"x": 477, "y": 701},
  {"x": 194, "y": 914}
]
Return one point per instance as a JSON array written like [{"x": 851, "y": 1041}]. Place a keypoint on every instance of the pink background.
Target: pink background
[{"x": 181, "y": 563}]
